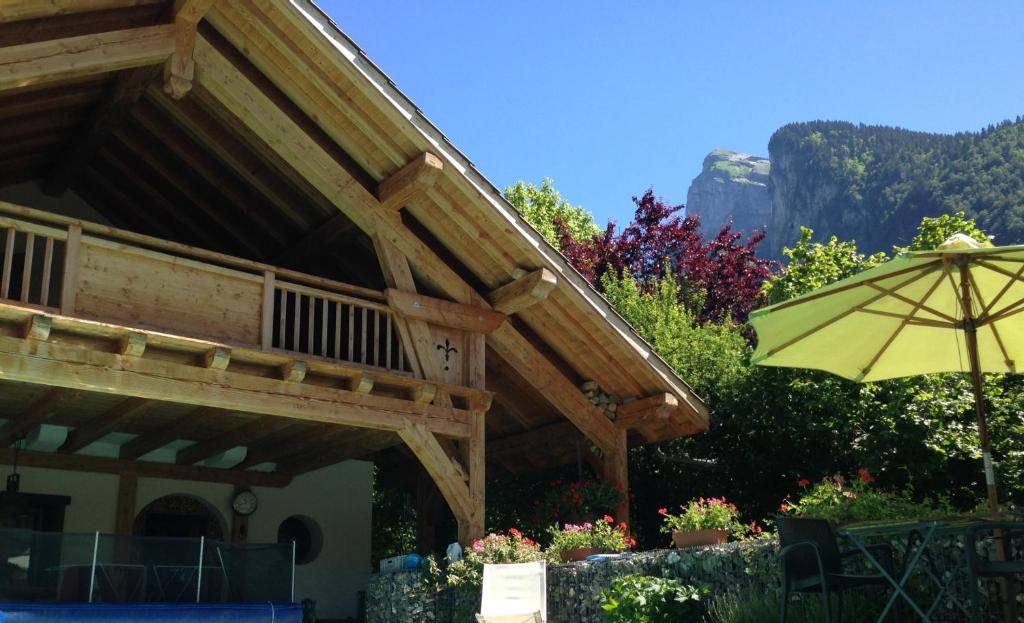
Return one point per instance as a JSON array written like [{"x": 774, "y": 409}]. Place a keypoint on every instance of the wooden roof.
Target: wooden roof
[{"x": 287, "y": 128}]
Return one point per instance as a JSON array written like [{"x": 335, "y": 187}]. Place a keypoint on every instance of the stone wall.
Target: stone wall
[{"x": 574, "y": 590}]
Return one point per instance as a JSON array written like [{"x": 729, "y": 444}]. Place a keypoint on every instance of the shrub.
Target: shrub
[
  {"x": 602, "y": 534},
  {"x": 760, "y": 607},
  {"x": 843, "y": 501},
  {"x": 703, "y": 514},
  {"x": 648, "y": 599},
  {"x": 576, "y": 501}
]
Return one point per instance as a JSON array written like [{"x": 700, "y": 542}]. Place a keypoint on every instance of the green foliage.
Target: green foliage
[
  {"x": 703, "y": 514},
  {"x": 843, "y": 501},
  {"x": 602, "y": 534},
  {"x": 753, "y": 606},
  {"x": 648, "y": 599},
  {"x": 812, "y": 265},
  {"x": 544, "y": 208},
  {"x": 396, "y": 535},
  {"x": 876, "y": 183},
  {"x": 933, "y": 231},
  {"x": 570, "y": 501}
]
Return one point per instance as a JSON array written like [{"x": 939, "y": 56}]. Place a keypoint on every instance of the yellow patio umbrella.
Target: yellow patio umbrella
[{"x": 953, "y": 309}]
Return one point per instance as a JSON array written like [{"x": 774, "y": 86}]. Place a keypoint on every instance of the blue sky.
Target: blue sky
[{"x": 610, "y": 98}]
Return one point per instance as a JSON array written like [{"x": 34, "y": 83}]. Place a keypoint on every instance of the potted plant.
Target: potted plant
[
  {"x": 573, "y": 542},
  {"x": 707, "y": 521},
  {"x": 580, "y": 501}
]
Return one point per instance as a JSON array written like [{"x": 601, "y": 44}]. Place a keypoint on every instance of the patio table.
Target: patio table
[{"x": 918, "y": 537}]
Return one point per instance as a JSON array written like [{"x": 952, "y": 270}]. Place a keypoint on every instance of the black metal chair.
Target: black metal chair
[
  {"x": 813, "y": 563},
  {"x": 1009, "y": 570}
]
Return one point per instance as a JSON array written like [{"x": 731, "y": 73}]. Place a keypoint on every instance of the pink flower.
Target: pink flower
[
  {"x": 663, "y": 511},
  {"x": 609, "y": 519},
  {"x": 803, "y": 483},
  {"x": 784, "y": 507}
]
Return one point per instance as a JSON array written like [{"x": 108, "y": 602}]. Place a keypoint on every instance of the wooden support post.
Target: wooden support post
[
  {"x": 444, "y": 473},
  {"x": 616, "y": 472},
  {"x": 407, "y": 183},
  {"x": 127, "y": 488},
  {"x": 69, "y": 287},
  {"x": 476, "y": 461},
  {"x": 180, "y": 68}
]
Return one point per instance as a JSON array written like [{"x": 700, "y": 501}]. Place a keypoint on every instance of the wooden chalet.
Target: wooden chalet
[{"x": 234, "y": 256}]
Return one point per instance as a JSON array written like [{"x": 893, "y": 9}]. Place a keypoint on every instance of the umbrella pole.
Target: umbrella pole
[{"x": 971, "y": 338}]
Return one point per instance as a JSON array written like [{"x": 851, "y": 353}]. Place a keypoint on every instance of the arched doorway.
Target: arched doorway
[{"x": 179, "y": 516}]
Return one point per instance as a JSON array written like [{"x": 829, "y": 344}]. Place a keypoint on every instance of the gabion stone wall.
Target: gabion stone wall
[{"x": 574, "y": 590}]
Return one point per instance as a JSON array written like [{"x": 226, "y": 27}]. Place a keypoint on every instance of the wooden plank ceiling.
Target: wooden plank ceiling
[{"x": 191, "y": 171}]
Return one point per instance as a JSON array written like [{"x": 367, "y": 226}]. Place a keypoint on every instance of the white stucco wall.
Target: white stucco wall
[{"x": 338, "y": 498}]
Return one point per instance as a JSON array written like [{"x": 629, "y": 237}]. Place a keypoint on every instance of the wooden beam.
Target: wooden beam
[
  {"x": 37, "y": 327},
  {"x": 19, "y": 10},
  {"x": 616, "y": 472},
  {"x": 239, "y": 436},
  {"x": 172, "y": 431},
  {"x": 104, "y": 120},
  {"x": 132, "y": 344},
  {"x": 418, "y": 339},
  {"x": 127, "y": 493},
  {"x": 476, "y": 460},
  {"x": 538, "y": 371},
  {"x": 444, "y": 313},
  {"x": 99, "y": 426},
  {"x": 180, "y": 68},
  {"x": 85, "y": 55},
  {"x": 315, "y": 243},
  {"x": 409, "y": 182},
  {"x": 294, "y": 371},
  {"x": 442, "y": 470},
  {"x": 147, "y": 469},
  {"x": 330, "y": 453},
  {"x": 37, "y": 412},
  {"x": 646, "y": 410},
  {"x": 296, "y": 442},
  {"x": 523, "y": 292},
  {"x": 217, "y": 358},
  {"x": 76, "y": 367}
]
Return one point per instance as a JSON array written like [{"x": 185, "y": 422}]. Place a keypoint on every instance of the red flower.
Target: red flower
[
  {"x": 663, "y": 511},
  {"x": 609, "y": 519},
  {"x": 783, "y": 507},
  {"x": 514, "y": 532},
  {"x": 803, "y": 482},
  {"x": 865, "y": 476}
]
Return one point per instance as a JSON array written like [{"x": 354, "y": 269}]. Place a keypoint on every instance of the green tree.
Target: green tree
[
  {"x": 544, "y": 207},
  {"x": 813, "y": 265}
]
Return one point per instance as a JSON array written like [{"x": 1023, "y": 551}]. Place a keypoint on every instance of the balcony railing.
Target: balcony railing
[{"x": 63, "y": 266}]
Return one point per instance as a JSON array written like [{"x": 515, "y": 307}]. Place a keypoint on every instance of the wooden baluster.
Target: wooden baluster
[
  {"x": 324, "y": 306},
  {"x": 295, "y": 321},
  {"x": 5, "y": 278},
  {"x": 387, "y": 362},
  {"x": 69, "y": 285},
  {"x": 401, "y": 351},
  {"x": 282, "y": 319},
  {"x": 377, "y": 339},
  {"x": 351, "y": 332},
  {"x": 44, "y": 292},
  {"x": 309, "y": 331},
  {"x": 26, "y": 270},
  {"x": 267, "y": 317},
  {"x": 362, "y": 337},
  {"x": 337, "y": 330}
]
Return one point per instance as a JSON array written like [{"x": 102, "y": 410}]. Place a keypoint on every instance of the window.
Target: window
[{"x": 305, "y": 533}]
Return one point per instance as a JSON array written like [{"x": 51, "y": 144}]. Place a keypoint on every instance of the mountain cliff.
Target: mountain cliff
[
  {"x": 873, "y": 184},
  {"x": 732, "y": 186}
]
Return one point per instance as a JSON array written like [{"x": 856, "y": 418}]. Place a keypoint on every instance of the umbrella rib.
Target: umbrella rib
[
  {"x": 952, "y": 284},
  {"x": 924, "y": 322},
  {"x": 1004, "y": 290},
  {"x": 906, "y": 320},
  {"x": 925, "y": 271},
  {"x": 817, "y": 295},
  {"x": 1005, "y": 312},
  {"x": 912, "y": 302}
]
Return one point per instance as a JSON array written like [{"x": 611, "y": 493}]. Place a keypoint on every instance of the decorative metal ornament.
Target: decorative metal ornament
[{"x": 448, "y": 350}]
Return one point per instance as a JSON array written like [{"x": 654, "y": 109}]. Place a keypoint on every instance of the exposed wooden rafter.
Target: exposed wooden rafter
[
  {"x": 105, "y": 423},
  {"x": 180, "y": 68},
  {"x": 104, "y": 120},
  {"x": 525, "y": 291},
  {"x": 85, "y": 55},
  {"x": 444, "y": 313},
  {"x": 409, "y": 182},
  {"x": 239, "y": 436},
  {"x": 174, "y": 430},
  {"x": 18, "y": 10},
  {"x": 103, "y": 465},
  {"x": 36, "y": 414},
  {"x": 646, "y": 410}
]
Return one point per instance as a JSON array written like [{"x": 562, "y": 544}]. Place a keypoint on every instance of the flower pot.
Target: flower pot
[
  {"x": 697, "y": 538},
  {"x": 580, "y": 553}
]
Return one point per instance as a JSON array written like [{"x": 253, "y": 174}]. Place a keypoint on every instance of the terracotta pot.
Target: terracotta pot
[
  {"x": 697, "y": 538},
  {"x": 580, "y": 553}
]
